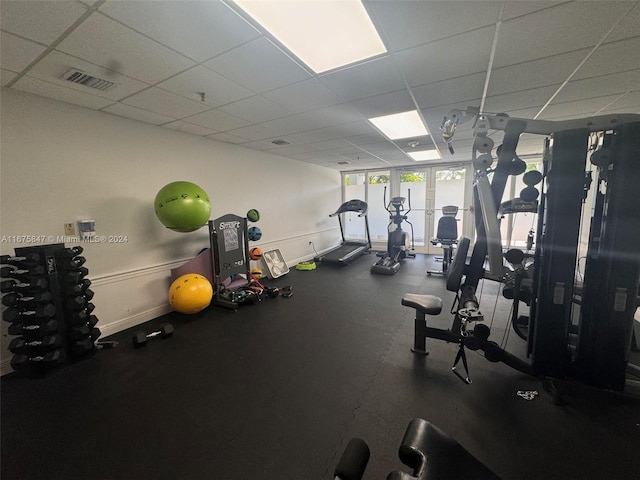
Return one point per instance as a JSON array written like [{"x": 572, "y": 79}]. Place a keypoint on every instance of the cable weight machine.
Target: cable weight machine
[{"x": 576, "y": 331}]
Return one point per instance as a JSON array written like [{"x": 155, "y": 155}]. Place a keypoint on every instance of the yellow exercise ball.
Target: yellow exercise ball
[{"x": 190, "y": 293}]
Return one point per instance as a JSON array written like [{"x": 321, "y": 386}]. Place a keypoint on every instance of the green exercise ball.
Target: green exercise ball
[
  {"x": 182, "y": 206},
  {"x": 253, "y": 215}
]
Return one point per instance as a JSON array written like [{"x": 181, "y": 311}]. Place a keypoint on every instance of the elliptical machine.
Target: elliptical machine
[{"x": 397, "y": 240}]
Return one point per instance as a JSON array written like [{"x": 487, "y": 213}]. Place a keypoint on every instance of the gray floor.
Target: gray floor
[{"x": 276, "y": 390}]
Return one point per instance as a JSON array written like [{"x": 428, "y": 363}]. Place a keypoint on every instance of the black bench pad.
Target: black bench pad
[{"x": 427, "y": 304}]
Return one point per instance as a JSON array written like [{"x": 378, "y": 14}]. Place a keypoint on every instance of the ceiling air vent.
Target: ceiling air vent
[
  {"x": 81, "y": 78},
  {"x": 281, "y": 142}
]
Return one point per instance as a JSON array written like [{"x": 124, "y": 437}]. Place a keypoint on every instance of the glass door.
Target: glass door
[
  {"x": 427, "y": 190},
  {"x": 414, "y": 187},
  {"x": 448, "y": 195},
  {"x": 431, "y": 189}
]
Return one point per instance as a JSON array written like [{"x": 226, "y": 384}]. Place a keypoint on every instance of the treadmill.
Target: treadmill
[{"x": 349, "y": 249}]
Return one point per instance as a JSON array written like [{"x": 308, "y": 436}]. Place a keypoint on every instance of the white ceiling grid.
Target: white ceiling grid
[{"x": 204, "y": 68}]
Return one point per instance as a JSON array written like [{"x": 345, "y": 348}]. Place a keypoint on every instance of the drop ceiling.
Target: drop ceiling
[{"x": 205, "y": 68}]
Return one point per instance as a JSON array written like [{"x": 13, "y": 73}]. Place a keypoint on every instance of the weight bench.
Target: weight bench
[
  {"x": 428, "y": 451},
  {"x": 433, "y": 455}
]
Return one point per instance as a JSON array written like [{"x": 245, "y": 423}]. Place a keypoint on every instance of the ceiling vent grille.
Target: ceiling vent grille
[{"x": 79, "y": 77}]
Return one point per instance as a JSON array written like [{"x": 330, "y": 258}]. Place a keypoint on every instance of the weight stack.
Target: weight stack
[{"x": 38, "y": 295}]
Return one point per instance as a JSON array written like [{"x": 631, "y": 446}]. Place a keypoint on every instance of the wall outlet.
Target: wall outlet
[{"x": 69, "y": 229}]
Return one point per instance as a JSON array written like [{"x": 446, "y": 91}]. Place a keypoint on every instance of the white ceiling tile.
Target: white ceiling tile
[
  {"x": 16, "y": 54},
  {"x": 293, "y": 124},
  {"x": 334, "y": 145},
  {"x": 165, "y": 103},
  {"x": 365, "y": 80},
  {"x": 535, "y": 97},
  {"x": 41, "y": 21},
  {"x": 256, "y": 132},
  {"x": 217, "y": 120},
  {"x": 218, "y": 89},
  {"x": 303, "y": 96},
  {"x": 410, "y": 23},
  {"x": 385, "y": 104},
  {"x": 631, "y": 99},
  {"x": 432, "y": 62},
  {"x": 336, "y": 115},
  {"x": 137, "y": 114},
  {"x": 105, "y": 42},
  {"x": 55, "y": 64},
  {"x": 628, "y": 27},
  {"x": 227, "y": 138},
  {"x": 290, "y": 150},
  {"x": 6, "y": 76},
  {"x": 523, "y": 113},
  {"x": 312, "y": 136},
  {"x": 611, "y": 58},
  {"x": 198, "y": 30},
  {"x": 364, "y": 139},
  {"x": 63, "y": 94},
  {"x": 259, "y": 65},
  {"x": 617, "y": 110},
  {"x": 545, "y": 33},
  {"x": 454, "y": 90},
  {"x": 525, "y": 7},
  {"x": 534, "y": 74},
  {"x": 261, "y": 145},
  {"x": 189, "y": 128},
  {"x": 256, "y": 109},
  {"x": 577, "y": 108},
  {"x": 616, "y": 83}
]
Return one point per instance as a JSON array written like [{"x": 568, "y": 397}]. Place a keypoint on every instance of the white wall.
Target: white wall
[{"x": 60, "y": 163}]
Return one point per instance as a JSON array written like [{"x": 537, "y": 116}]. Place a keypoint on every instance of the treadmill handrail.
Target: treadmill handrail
[{"x": 354, "y": 205}]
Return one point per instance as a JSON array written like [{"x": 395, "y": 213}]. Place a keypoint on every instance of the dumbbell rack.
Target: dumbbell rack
[{"x": 47, "y": 296}]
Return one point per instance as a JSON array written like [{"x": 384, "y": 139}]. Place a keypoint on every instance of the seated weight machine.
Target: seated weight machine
[
  {"x": 586, "y": 340},
  {"x": 446, "y": 237}
]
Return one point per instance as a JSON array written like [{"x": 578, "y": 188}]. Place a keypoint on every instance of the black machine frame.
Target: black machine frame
[
  {"x": 348, "y": 250},
  {"x": 230, "y": 246},
  {"x": 389, "y": 263},
  {"x": 576, "y": 331}
]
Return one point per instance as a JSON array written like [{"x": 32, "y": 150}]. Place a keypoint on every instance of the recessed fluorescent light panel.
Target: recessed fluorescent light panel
[
  {"x": 400, "y": 125},
  {"x": 324, "y": 34},
  {"x": 425, "y": 155}
]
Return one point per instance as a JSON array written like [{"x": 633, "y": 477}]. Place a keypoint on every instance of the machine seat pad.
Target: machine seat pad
[{"x": 427, "y": 304}]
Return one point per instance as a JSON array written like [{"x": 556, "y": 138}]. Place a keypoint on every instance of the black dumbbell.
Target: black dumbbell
[
  {"x": 14, "y": 299},
  {"x": 49, "y": 342},
  {"x": 95, "y": 333},
  {"x": 32, "y": 283},
  {"x": 12, "y": 314},
  {"x": 82, "y": 347},
  {"x": 79, "y": 332},
  {"x": 76, "y": 275},
  {"x": 20, "y": 273},
  {"x": 22, "y": 361},
  {"x": 26, "y": 260},
  {"x": 78, "y": 288},
  {"x": 75, "y": 303},
  {"x": 140, "y": 338},
  {"x": 69, "y": 253},
  {"x": 33, "y": 329}
]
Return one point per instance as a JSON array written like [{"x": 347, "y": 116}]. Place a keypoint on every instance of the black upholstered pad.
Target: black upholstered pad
[
  {"x": 428, "y": 304},
  {"x": 433, "y": 455}
]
